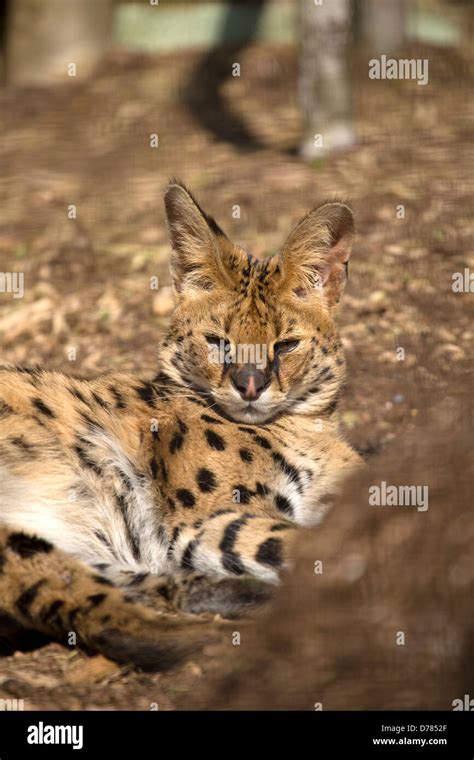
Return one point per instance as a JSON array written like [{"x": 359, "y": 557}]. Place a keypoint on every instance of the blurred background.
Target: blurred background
[{"x": 263, "y": 109}]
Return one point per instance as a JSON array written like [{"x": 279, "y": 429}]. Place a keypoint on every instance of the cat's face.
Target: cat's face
[{"x": 257, "y": 337}]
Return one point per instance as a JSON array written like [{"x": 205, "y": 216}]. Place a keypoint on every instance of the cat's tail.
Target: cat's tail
[{"x": 44, "y": 590}]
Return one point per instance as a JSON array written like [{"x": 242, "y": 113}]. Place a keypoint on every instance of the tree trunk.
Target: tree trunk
[
  {"x": 49, "y": 41},
  {"x": 384, "y": 24},
  {"x": 324, "y": 87}
]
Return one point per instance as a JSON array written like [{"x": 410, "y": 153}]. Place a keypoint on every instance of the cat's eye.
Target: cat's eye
[
  {"x": 215, "y": 340},
  {"x": 285, "y": 346}
]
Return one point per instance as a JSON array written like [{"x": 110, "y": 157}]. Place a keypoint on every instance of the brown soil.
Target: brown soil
[{"x": 87, "y": 280}]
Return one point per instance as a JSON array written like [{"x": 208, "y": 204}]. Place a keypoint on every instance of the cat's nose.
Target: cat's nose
[{"x": 249, "y": 381}]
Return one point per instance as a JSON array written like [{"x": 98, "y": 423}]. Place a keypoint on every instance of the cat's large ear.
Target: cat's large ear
[
  {"x": 195, "y": 238},
  {"x": 316, "y": 253}
]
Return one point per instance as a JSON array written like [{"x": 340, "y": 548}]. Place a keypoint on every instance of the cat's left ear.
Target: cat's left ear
[
  {"x": 316, "y": 253},
  {"x": 196, "y": 261}
]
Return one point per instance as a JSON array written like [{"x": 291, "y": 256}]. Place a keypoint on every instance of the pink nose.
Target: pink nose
[
  {"x": 251, "y": 392},
  {"x": 249, "y": 381}
]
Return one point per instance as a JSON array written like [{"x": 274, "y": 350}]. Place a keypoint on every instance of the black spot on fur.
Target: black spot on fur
[
  {"x": 176, "y": 443},
  {"x": 96, "y": 599},
  {"x": 176, "y": 531},
  {"x": 26, "y": 599},
  {"x": 219, "y": 512},
  {"x": 146, "y": 393},
  {"x": 86, "y": 461},
  {"x": 186, "y": 498},
  {"x": 231, "y": 560},
  {"x": 28, "y": 546},
  {"x": 164, "y": 591},
  {"x": 270, "y": 553},
  {"x": 244, "y": 493},
  {"x": 99, "y": 400},
  {"x": 263, "y": 442},
  {"x": 50, "y": 612},
  {"x": 332, "y": 406},
  {"x": 90, "y": 422},
  {"x": 102, "y": 581},
  {"x": 197, "y": 401},
  {"x": 279, "y": 526},
  {"x": 187, "y": 558},
  {"x": 5, "y": 408},
  {"x": 161, "y": 533},
  {"x": 29, "y": 370},
  {"x": 154, "y": 468},
  {"x": 183, "y": 428},
  {"x": 43, "y": 408},
  {"x": 246, "y": 455},
  {"x": 325, "y": 374},
  {"x": 119, "y": 400},
  {"x": 162, "y": 377},
  {"x": 77, "y": 394},
  {"x": 164, "y": 471},
  {"x": 283, "y": 504},
  {"x": 290, "y": 471},
  {"x": 137, "y": 579},
  {"x": 73, "y": 614},
  {"x": 262, "y": 489},
  {"x": 103, "y": 539},
  {"x": 132, "y": 537},
  {"x": 211, "y": 420},
  {"x": 206, "y": 480},
  {"x": 214, "y": 440},
  {"x": 126, "y": 481}
]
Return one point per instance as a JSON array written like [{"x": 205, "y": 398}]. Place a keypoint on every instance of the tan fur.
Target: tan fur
[{"x": 178, "y": 474}]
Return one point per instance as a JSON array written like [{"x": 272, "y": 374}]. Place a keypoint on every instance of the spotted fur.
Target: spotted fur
[{"x": 176, "y": 491}]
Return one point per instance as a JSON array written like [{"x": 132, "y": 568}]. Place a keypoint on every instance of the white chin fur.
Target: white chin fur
[
  {"x": 258, "y": 411},
  {"x": 249, "y": 414}
]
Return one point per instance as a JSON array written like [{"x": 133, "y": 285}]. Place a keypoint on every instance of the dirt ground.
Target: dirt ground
[{"x": 88, "y": 305}]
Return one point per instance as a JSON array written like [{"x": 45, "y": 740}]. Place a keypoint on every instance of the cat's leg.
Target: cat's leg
[
  {"x": 228, "y": 564},
  {"x": 233, "y": 543},
  {"x": 45, "y": 590},
  {"x": 194, "y": 592}
]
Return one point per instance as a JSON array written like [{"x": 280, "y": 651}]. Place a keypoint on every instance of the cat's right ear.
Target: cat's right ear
[
  {"x": 316, "y": 254},
  {"x": 195, "y": 260}
]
